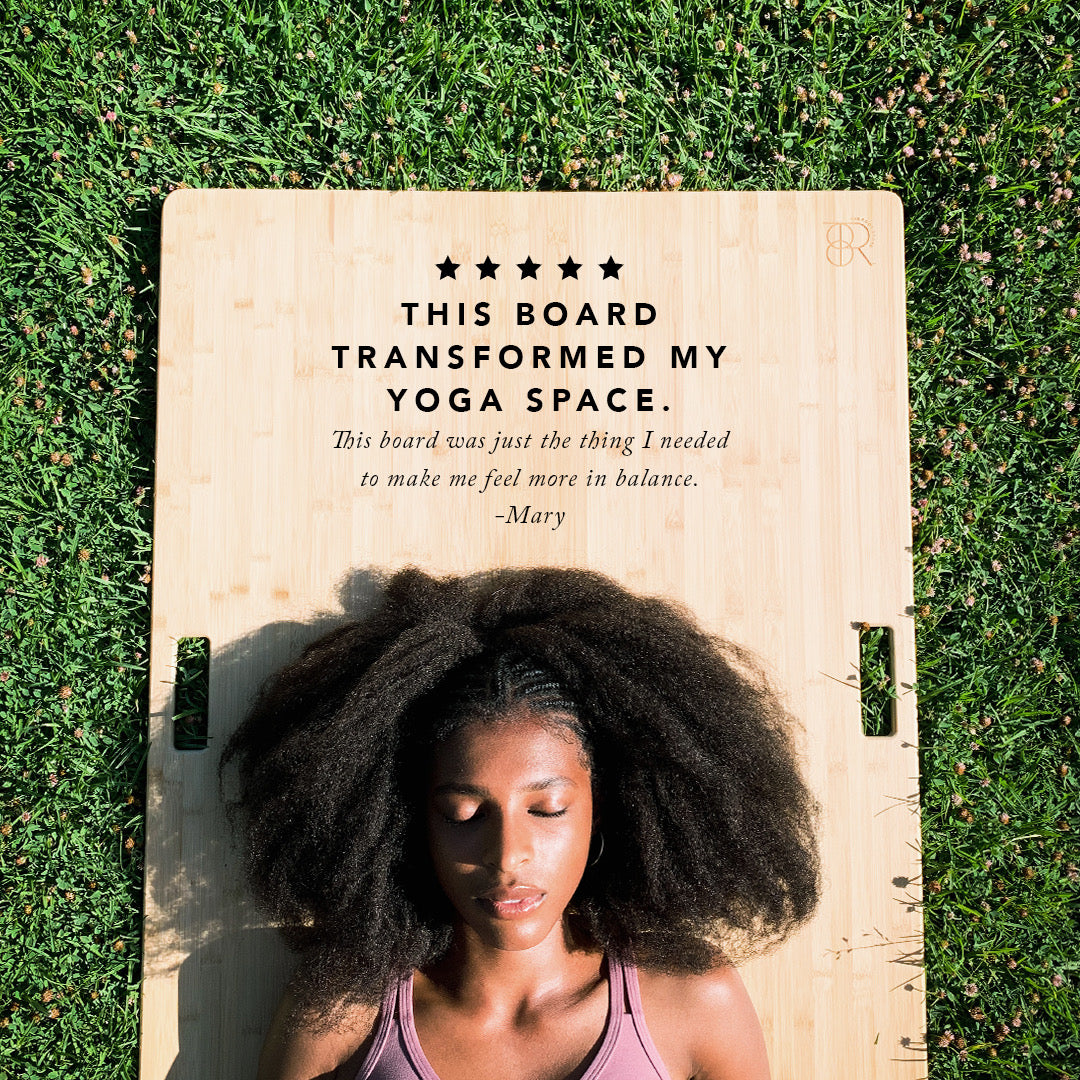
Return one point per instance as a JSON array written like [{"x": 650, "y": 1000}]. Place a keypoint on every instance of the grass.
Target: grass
[{"x": 968, "y": 111}]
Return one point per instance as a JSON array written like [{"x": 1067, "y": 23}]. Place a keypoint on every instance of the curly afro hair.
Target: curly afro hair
[{"x": 709, "y": 829}]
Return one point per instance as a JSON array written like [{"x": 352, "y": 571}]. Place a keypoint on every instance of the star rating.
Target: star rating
[
  {"x": 487, "y": 268},
  {"x": 448, "y": 268},
  {"x": 569, "y": 268},
  {"x": 528, "y": 268},
  {"x": 611, "y": 268}
]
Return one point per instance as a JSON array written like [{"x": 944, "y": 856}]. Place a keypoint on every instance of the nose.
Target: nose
[{"x": 507, "y": 843}]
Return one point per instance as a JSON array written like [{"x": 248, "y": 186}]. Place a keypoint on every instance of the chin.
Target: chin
[{"x": 514, "y": 935}]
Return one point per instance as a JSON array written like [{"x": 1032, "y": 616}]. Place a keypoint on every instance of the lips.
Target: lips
[{"x": 512, "y": 902}]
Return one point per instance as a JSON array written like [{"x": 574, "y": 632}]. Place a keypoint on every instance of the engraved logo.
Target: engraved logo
[{"x": 845, "y": 239}]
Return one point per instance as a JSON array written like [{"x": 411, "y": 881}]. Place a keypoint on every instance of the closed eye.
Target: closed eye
[{"x": 552, "y": 813}]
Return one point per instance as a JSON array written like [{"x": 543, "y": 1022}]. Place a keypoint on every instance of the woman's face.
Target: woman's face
[{"x": 510, "y": 817}]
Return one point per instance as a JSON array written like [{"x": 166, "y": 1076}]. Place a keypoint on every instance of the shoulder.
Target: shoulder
[
  {"x": 705, "y": 1026},
  {"x": 292, "y": 1052}
]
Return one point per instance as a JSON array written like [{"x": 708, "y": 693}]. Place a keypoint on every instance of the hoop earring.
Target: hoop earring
[{"x": 596, "y": 858}]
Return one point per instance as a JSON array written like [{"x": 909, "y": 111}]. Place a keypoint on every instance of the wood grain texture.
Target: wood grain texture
[{"x": 790, "y": 535}]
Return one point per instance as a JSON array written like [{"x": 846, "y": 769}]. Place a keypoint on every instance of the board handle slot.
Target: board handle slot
[
  {"x": 877, "y": 682},
  {"x": 192, "y": 697}
]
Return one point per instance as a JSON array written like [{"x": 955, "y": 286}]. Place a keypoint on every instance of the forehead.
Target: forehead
[{"x": 521, "y": 744}]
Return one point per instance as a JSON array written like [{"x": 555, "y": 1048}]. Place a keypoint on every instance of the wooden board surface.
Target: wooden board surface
[{"x": 793, "y": 528}]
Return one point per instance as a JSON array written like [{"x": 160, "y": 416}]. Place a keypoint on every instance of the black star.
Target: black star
[
  {"x": 447, "y": 268},
  {"x": 569, "y": 268},
  {"x": 487, "y": 268},
  {"x": 528, "y": 268},
  {"x": 610, "y": 268}
]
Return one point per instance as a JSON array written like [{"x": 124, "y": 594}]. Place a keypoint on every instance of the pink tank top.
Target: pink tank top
[{"x": 626, "y": 1050}]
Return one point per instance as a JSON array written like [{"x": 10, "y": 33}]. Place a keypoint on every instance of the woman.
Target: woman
[{"x": 519, "y": 825}]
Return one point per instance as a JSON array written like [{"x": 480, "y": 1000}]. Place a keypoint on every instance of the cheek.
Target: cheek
[
  {"x": 448, "y": 851},
  {"x": 457, "y": 856},
  {"x": 564, "y": 852}
]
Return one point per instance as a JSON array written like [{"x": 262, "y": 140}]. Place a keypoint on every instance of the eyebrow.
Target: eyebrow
[{"x": 454, "y": 788}]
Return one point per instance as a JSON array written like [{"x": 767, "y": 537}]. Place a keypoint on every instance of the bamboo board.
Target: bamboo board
[{"x": 792, "y": 528}]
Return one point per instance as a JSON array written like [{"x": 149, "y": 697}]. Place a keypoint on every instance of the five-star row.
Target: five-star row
[{"x": 448, "y": 268}]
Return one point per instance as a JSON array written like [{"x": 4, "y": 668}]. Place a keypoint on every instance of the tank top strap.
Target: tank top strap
[
  {"x": 420, "y": 1067},
  {"x": 609, "y": 1043},
  {"x": 637, "y": 1015},
  {"x": 389, "y": 1012},
  {"x": 618, "y": 987}
]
